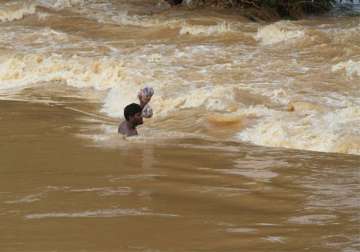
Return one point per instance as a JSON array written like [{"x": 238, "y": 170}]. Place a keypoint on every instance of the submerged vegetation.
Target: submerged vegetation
[{"x": 280, "y": 8}]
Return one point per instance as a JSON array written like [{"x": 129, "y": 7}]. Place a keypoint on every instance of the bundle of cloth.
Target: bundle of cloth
[{"x": 144, "y": 96}]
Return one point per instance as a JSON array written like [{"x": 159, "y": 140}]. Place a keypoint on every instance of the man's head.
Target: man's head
[{"x": 132, "y": 113}]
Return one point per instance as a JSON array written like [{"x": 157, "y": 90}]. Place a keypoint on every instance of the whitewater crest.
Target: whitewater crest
[
  {"x": 61, "y": 4},
  {"x": 306, "y": 126},
  {"x": 219, "y": 28},
  {"x": 165, "y": 102},
  {"x": 44, "y": 39},
  {"x": 18, "y": 9},
  {"x": 22, "y": 70},
  {"x": 100, "y": 213},
  {"x": 352, "y": 68},
  {"x": 239, "y": 89},
  {"x": 281, "y": 31},
  {"x": 142, "y": 21},
  {"x": 122, "y": 82},
  {"x": 327, "y": 131}
]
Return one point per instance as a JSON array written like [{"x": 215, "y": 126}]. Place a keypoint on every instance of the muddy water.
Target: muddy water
[
  {"x": 59, "y": 193},
  {"x": 253, "y": 146}
]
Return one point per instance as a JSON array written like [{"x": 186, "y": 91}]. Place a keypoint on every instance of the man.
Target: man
[{"x": 133, "y": 118}]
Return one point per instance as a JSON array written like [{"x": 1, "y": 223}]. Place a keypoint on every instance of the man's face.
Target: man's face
[{"x": 137, "y": 119}]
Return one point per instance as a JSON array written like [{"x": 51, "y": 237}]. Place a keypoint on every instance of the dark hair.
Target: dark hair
[{"x": 131, "y": 110}]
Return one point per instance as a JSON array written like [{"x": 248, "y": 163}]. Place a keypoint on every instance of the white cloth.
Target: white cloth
[
  {"x": 147, "y": 111},
  {"x": 146, "y": 91}
]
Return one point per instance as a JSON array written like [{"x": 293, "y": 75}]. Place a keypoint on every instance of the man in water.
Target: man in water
[
  {"x": 133, "y": 118},
  {"x": 134, "y": 113}
]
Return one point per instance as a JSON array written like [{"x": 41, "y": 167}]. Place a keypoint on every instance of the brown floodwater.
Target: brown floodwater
[
  {"x": 60, "y": 192},
  {"x": 254, "y": 144}
]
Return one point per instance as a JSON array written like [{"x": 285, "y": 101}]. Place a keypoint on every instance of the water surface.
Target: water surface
[{"x": 254, "y": 144}]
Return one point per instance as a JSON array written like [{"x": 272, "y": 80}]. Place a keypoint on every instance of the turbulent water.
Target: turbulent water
[
  {"x": 225, "y": 88},
  {"x": 285, "y": 84}
]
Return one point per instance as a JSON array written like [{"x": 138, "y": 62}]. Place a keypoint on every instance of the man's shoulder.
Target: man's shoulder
[{"x": 122, "y": 129}]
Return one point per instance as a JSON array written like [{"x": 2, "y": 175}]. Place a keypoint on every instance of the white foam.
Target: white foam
[
  {"x": 212, "y": 98},
  {"x": 242, "y": 230},
  {"x": 22, "y": 70},
  {"x": 278, "y": 32},
  {"x": 143, "y": 21},
  {"x": 121, "y": 81},
  {"x": 352, "y": 68},
  {"x": 170, "y": 93},
  {"x": 26, "y": 199},
  {"x": 257, "y": 174},
  {"x": 256, "y": 169},
  {"x": 108, "y": 14},
  {"x": 60, "y": 4},
  {"x": 219, "y": 28},
  {"x": 106, "y": 191},
  {"x": 16, "y": 10},
  {"x": 117, "y": 98},
  {"x": 37, "y": 39},
  {"x": 186, "y": 76},
  {"x": 328, "y": 131},
  {"x": 273, "y": 239},
  {"x": 102, "y": 213},
  {"x": 319, "y": 219}
]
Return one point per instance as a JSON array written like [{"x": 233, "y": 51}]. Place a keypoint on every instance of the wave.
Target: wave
[
  {"x": 22, "y": 70},
  {"x": 101, "y": 213},
  {"x": 305, "y": 125},
  {"x": 16, "y": 10},
  {"x": 142, "y": 21},
  {"x": 106, "y": 14},
  {"x": 110, "y": 15},
  {"x": 106, "y": 73},
  {"x": 352, "y": 68},
  {"x": 192, "y": 77},
  {"x": 219, "y": 28},
  {"x": 308, "y": 129},
  {"x": 119, "y": 15},
  {"x": 279, "y": 32},
  {"x": 60, "y": 4},
  {"x": 40, "y": 39},
  {"x": 211, "y": 98}
]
